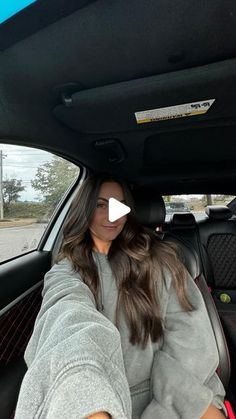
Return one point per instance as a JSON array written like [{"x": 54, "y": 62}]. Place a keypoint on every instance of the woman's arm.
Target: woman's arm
[
  {"x": 74, "y": 356},
  {"x": 101, "y": 415}
]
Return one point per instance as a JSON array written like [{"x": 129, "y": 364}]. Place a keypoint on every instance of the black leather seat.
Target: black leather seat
[
  {"x": 218, "y": 241},
  {"x": 151, "y": 213}
]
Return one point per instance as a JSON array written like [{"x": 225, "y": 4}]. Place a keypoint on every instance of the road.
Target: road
[{"x": 15, "y": 241}]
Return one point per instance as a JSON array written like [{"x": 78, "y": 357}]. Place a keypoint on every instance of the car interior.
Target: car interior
[{"x": 142, "y": 89}]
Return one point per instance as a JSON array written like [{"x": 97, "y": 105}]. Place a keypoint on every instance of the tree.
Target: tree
[
  {"x": 53, "y": 178},
  {"x": 11, "y": 191}
]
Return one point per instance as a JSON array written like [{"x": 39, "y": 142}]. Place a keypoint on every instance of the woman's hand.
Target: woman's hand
[
  {"x": 213, "y": 413},
  {"x": 100, "y": 415}
]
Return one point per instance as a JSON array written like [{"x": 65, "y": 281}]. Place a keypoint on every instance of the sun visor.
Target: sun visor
[{"x": 176, "y": 98}]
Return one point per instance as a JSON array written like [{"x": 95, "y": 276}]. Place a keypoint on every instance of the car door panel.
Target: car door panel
[{"x": 20, "y": 289}]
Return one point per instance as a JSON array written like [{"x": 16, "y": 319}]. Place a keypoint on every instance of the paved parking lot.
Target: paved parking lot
[{"x": 18, "y": 240}]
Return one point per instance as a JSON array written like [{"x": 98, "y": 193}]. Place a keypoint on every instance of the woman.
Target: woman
[{"x": 114, "y": 276}]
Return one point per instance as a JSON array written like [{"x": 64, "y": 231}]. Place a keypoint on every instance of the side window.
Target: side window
[{"x": 32, "y": 182}]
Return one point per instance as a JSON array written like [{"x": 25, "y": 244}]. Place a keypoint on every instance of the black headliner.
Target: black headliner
[{"x": 114, "y": 58}]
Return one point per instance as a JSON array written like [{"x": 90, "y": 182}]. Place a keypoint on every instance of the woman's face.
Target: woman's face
[{"x": 101, "y": 229}]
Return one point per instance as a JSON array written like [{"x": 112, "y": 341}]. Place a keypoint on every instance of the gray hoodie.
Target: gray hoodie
[{"x": 79, "y": 363}]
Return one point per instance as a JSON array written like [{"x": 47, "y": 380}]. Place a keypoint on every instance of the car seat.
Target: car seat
[{"x": 150, "y": 211}]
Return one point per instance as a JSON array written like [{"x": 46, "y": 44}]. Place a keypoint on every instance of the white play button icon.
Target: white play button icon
[{"x": 116, "y": 210}]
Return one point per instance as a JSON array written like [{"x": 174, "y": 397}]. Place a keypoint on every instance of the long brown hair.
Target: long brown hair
[{"x": 138, "y": 260}]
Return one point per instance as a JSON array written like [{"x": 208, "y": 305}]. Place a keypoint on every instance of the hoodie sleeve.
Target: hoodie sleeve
[
  {"x": 74, "y": 356},
  {"x": 184, "y": 381}
]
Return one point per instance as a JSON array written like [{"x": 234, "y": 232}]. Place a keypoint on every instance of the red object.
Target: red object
[{"x": 229, "y": 409}]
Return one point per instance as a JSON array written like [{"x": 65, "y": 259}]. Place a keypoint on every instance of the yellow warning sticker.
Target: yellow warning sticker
[{"x": 174, "y": 112}]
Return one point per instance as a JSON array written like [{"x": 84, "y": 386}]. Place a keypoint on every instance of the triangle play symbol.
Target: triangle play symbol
[{"x": 116, "y": 210}]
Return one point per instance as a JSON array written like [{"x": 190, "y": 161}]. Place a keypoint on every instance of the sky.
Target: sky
[
  {"x": 22, "y": 163},
  {"x": 9, "y": 8}
]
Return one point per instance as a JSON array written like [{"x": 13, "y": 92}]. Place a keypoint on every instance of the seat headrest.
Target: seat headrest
[
  {"x": 182, "y": 221},
  {"x": 218, "y": 212},
  {"x": 150, "y": 209}
]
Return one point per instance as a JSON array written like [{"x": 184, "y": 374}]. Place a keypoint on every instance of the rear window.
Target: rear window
[{"x": 196, "y": 204}]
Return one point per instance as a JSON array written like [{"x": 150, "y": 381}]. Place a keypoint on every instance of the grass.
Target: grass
[{"x": 14, "y": 222}]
